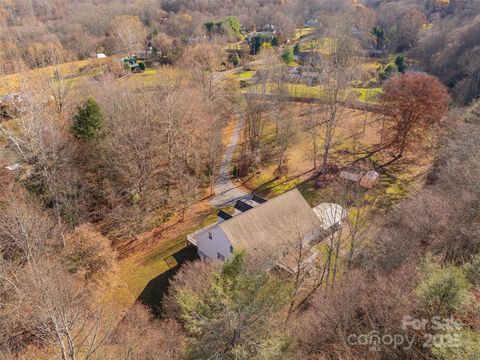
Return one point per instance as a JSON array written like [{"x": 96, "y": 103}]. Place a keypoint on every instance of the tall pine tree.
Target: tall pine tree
[{"x": 87, "y": 121}]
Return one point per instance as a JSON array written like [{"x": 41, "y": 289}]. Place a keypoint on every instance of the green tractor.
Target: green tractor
[{"x": 134, "y": 65}]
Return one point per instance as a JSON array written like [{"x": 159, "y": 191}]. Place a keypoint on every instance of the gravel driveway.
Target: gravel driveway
[{"x": 226, "y": 192}]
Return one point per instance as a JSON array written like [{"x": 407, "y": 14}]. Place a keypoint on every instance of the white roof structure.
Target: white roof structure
[
  {"x": 330, "y": 214},
  {"x": 13, "y": 167},
  {"x": 101, "y": 56}
]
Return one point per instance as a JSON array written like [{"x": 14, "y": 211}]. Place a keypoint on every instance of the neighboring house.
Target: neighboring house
[
  {"x": 269, "y": 28},
  {"x": 268, "y": 228},
  {"x": 311, "y": 23},
  {"x": 267, "y": 32}
]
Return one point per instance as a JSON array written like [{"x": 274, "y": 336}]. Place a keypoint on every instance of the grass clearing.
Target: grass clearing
[
  {"x": 369, "y": 95},
  {"x": 147, "y": 78},
  {"x": 136, "y": 271},
  {"x": 75, "y": 71},
  {"x": 324, "y": 45},
  {"x": 300, "y": 33},
  {"x": 12, "y": 82},
  {"x": 244, "y": 75},
  {"x": 132, "y": 276}
]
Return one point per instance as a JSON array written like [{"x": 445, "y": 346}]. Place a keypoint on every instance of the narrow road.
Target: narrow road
[{"x": 226, "y": 193}]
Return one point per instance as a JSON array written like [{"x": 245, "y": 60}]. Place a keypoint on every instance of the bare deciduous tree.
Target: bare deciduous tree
[
  {"x": 336, "y": 71},
  {"x": 140, "y": 336},
  {"x": 130, "y": 33}
]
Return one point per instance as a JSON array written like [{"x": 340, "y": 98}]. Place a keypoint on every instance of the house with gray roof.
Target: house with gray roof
[{"x": 268, "y": 228}]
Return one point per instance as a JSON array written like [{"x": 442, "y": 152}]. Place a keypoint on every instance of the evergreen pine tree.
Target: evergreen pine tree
[{"x": 87, "y": 120}]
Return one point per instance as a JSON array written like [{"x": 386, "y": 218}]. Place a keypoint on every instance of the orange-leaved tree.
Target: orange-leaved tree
[{"x": 414, "y": 102}]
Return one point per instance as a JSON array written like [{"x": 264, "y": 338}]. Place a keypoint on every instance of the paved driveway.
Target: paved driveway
[{"x": 226, "y": 193}]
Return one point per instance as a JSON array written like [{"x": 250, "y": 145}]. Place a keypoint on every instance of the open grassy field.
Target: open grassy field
[
  {"x": 243, "y": 74},
  {"x": 75, "y": 72},
  {"x": 300, "y": 33},
  {"x": 12, "y": 82},
  {"x": 369, "y": 95}
]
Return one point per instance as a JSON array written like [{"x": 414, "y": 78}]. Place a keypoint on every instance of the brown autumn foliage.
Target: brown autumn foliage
[
  {"x": 415, "y": 102},
  {"x": 87, "y": 252},
  {"x": 50, "y": 309},
  {"x": 380, "y": 304},
  {"x": 155, "y": 156},
  {"x": 26, "y": 229},
  {"x": 443, "y": 216},
  {"x": 140, "y": 337}
]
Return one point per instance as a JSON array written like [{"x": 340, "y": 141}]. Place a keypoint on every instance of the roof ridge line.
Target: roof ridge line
[{"x": 260, "y": 205}]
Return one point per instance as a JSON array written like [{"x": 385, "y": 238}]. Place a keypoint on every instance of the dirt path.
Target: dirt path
[{"x": 226, "y": 192}]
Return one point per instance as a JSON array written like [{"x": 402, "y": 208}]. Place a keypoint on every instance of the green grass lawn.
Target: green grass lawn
[
  {"x": 323, "y": 46},
  {"x": 135, "y": 272},
  {"x": 367, "y": 94},
  {"x": 266, "y": 185},
  {"x": 242, "y": 74},
  {"x": 297, "y": 90},
  {"x": 75, "y": 71},
  {"x": 303, "y": 32},
  {"x": 302, "y": 90},
  {"x": 245, "y": 75}
]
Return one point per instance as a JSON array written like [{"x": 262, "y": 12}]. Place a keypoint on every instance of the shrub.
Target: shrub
[
  {"x": 287, "y": 55},
  {"x": 235, "y": 59},
  {"x": 266, "y": 46},
  {"x": 400, "y": 63},
  {"x": 387, "y": 71},
  {"x": 469, "y": 348},
  {"x": 443, "y": 290},
  {"x": 472, "y": 271}
]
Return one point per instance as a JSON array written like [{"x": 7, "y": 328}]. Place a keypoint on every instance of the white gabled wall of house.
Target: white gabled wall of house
[{"x": 218, "y": 244}]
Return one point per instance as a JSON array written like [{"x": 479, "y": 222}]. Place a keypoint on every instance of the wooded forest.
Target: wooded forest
[{"x": 122, "y": 122}]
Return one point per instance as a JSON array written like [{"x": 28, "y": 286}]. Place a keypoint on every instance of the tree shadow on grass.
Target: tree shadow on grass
[{"x": 156, "y": 288}]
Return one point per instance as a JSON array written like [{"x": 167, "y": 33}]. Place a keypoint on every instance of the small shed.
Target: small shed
[
  {"x": 352, "y": 174},
  {"x": 370, "y": 179},
  {"x": 101, "y": 56}
]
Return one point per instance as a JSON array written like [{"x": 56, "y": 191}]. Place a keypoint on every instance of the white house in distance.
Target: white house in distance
[{"x": 265, "y": 227}]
